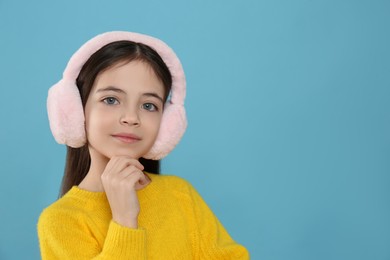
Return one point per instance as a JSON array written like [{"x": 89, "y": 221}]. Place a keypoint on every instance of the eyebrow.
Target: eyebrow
[
  {"x": 153, "y": 95},
  {"x": 111, "y": 88},
  {"x": 115, "y": 89}
]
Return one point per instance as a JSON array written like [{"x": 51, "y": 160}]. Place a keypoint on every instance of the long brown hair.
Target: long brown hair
[{"x": 78, "y": 160}]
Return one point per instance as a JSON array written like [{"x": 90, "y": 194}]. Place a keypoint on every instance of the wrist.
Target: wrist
[{"x": 126, "y": 222}]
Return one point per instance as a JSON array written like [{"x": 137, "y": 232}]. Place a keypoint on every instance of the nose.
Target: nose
[{"x": 130, "y": 117}]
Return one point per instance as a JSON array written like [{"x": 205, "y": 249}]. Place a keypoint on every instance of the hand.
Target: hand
[{"x": 121, "y": 178}]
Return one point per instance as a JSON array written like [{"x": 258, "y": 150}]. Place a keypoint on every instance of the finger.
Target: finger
[
  {"x": 125, "y": 161},
  {"x": 118, "y": 164},
  {"x": 112, "y": 163},
  {"x": 111, "y": 166},
  {"x": 143, "y": 181},
  {"x": 135, "y": 177},
  {"x": 136, "y": 163},
  {"x": 126, "y": 172}
]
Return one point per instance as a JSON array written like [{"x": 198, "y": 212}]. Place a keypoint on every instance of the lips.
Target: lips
[{"x": 127, "y": 138}]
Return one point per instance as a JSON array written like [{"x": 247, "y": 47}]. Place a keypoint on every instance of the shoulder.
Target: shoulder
[
  {"x": 68, "y": 208},
  {"x": 56, "y": 210},
  {"x": 171, "y": 183},
  {"x": 53, "y": 218}
]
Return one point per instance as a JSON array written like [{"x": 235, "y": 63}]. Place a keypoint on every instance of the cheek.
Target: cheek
[
  {"x": 96, "y": 119},
  {"x": 152, "y": 123}
]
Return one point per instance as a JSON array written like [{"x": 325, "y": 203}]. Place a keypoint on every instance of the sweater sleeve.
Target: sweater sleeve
[
  {"x": 215, "y": 242},
  {"x": 64, "y": 236}
]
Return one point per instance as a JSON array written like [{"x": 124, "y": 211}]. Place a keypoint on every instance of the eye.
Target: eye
[
  {"x": 150, "y": 107},
  {"x": 111, "y": 101}
]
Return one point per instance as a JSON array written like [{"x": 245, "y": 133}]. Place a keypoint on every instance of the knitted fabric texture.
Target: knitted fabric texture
[{"x": 174, "y": 223}]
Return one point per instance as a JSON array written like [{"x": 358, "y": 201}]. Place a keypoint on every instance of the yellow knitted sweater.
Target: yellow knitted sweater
[{"x": 174, "y": 223}]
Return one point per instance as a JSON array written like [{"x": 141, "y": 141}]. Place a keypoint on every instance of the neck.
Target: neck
[{"x": 92, "y": 181}]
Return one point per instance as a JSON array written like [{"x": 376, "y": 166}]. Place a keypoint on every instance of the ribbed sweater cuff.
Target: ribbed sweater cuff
[{"x": 125, "y": 243}]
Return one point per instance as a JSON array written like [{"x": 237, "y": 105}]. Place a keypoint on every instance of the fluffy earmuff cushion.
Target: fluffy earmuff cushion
[{"x": 66, "y": 114}]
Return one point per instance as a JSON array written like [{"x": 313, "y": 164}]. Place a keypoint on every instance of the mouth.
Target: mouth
[{"x": 127, "y": 138}]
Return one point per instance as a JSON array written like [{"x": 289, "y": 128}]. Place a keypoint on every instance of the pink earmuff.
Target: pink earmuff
[{"x": 65, "y": 110}]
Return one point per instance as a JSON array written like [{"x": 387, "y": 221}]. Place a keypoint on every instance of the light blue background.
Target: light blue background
[{"x": 288, "y": 106}]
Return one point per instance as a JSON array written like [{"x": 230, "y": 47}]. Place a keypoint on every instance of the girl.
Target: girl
[{"x": 119, "y": 109}]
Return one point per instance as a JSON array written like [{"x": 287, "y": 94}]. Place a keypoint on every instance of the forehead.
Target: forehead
[{"x": 130, "y": 76}]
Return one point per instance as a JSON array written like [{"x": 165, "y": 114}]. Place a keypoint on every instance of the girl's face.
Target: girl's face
[{"x": 123, "y": 111}]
